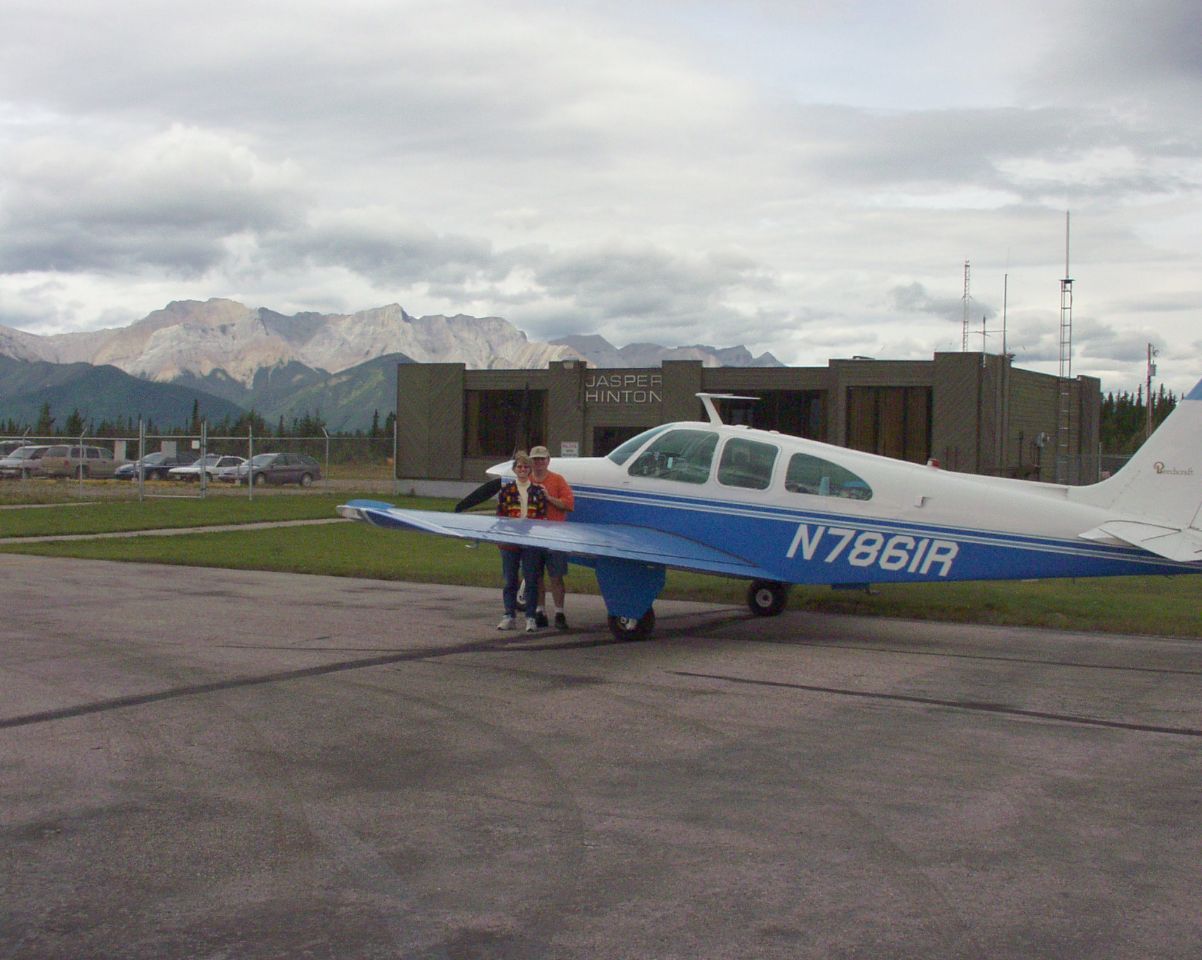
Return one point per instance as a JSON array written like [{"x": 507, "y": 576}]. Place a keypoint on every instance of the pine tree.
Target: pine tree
[{"x": 45, "y": 424}]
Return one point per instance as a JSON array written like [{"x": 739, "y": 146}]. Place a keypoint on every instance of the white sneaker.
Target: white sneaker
[
  {"x": 531, "y": 625},
  {"x": 507, "y": 623}
]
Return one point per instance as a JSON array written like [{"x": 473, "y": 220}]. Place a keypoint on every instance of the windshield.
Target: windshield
[
  {"x": 680, "y": 455},
  {"x": 624, "y": 452},
  {"x": 262, "y": 459}
]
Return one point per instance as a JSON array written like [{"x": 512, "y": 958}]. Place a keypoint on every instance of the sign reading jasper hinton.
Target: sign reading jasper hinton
[{"x": 623, "y": 388}]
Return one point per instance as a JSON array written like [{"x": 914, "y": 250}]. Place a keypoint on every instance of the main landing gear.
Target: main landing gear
[
  {"x": 628, "y": 629},
  {"x": 767, "y": 598}
]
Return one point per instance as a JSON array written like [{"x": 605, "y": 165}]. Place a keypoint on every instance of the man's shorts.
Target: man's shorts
[{"x": 557, "y": 563}]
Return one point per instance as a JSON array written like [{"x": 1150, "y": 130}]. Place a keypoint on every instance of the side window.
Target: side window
[
  {"x": 747, "y": 463},
  {"x": 681, "y": 455},
  {"x": 813, "y": 475}
]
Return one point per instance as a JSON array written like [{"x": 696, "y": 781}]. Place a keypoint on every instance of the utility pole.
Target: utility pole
[{"x": 1152, "y": 351}]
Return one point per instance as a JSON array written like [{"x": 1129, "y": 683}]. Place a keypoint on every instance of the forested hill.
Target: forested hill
[{"x": 1124, "y": 421}]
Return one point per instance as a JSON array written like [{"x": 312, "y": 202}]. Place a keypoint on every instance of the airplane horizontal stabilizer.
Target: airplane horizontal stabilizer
[
  {"x": 615, "y": 540},
  {"x": 1184, "y": 546}
]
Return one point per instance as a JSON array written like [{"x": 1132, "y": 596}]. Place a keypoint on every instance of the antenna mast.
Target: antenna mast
[
  {"x": 1066, "y": 364},
  {"x": 967, "y": 298}
]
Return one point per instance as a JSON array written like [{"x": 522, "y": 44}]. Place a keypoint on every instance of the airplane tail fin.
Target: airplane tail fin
[{"x": 1157, "y": 495}]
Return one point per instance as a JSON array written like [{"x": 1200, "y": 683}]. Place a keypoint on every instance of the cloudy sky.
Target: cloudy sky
[{"x": 806, "y": 177}]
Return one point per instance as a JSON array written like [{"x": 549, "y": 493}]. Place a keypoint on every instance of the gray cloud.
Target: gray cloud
[
  {"x": 373, "y": 244},
  {"x": 769, "y": 173},
  {"x": 914, "y": 298},
  {"x": 167, "y": 202}
]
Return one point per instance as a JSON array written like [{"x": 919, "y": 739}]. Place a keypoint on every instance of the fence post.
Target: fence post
[
  {"x": 204, "y": 452},
  {"x": 327, "y": 436},
  {"x": 83, "y": 460},
  {"x": 140, "y": 460}
]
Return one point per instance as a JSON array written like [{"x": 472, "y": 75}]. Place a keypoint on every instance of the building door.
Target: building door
[
  {"x": 606, "y": 439},
  {"x": 892, "y": 421}
]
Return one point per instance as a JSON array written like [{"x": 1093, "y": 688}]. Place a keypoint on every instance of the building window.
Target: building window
[
  {"x": 799, "y": 413},
  {"x": 892, "y": 421},
  {"x": 498, "y": 422}
]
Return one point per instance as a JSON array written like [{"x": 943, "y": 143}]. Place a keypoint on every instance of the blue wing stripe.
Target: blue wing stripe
[{"x": 623, "y": 541}]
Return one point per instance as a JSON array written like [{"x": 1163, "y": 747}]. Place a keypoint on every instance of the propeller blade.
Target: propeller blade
[{"x": 486, "y": 491}]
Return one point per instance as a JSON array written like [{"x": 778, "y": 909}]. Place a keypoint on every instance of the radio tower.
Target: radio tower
[
  {"x": 964, "y": 335},
  {"x": 1066, "y": 365}
]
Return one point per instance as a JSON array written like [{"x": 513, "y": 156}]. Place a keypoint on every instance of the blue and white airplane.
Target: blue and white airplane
[{"x": 778, "y": 510}]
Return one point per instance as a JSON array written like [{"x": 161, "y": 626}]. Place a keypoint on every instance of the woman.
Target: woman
[{"x": 520, "y": 499}]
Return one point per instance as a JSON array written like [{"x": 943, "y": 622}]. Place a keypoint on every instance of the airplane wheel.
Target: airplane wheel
[
  {"x": 629, "y": 629},
  {"x": 767, "y": 598}
]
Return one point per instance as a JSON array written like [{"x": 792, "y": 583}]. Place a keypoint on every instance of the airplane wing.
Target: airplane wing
[
  {"x": 609, "y": 540},
  {"x": 1171, "y": 543}
]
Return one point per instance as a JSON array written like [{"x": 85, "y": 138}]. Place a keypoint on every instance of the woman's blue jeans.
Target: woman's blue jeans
[{"x": 517, "y": 565}]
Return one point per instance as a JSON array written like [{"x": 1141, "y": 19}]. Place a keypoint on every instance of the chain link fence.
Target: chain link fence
[{"x": 316, "y": 463}]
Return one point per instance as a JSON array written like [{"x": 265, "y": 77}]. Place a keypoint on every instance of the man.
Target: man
[{"x": 560, "y": 502}]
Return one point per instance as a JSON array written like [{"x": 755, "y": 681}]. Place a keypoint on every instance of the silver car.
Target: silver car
[
  {"x": 23, "y": 462},
  {"x": 212, "y": 465}
]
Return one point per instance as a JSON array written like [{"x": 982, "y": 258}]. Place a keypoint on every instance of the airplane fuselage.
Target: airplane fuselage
[{"x": 894, "y": 521}]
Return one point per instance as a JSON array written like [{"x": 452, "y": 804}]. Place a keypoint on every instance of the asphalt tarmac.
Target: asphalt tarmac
[{"x": 226, "y": 765}]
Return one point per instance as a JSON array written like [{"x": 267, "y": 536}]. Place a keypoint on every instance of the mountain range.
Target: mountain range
[{"x": 227, "y": 358}]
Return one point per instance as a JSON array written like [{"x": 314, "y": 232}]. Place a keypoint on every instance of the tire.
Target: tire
[
  {"x": 767, "y": 598},
  {"x": 259, "y": 479},
  {"x": 306, "y": 480},
  {"x": 629, "y": 630}
]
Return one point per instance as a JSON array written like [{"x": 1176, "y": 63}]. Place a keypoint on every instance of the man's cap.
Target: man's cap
[{"x": 539, "y": 452}]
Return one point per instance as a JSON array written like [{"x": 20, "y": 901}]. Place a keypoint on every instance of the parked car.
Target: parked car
[
  {"x": 229, "y": 474},
  {"x": 11, "y": 446},
  {"x": 210, "y": 465},
  {"x": 23, "y": 462},
  {"x": 154, "y": 466},
  {"x": 279, "y": 468},
  {"x": 72, "y": 460}
]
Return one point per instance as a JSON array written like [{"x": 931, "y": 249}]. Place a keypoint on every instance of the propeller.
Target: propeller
[{"x": 486, "y": 491}]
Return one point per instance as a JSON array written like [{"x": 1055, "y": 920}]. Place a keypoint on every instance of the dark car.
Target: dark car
[
  {"x": 154, "y": 466},
  {"x": 279, "y": 468}
]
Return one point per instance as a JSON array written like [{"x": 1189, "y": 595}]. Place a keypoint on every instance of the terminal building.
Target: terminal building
[{"x": 970, "y": 412}]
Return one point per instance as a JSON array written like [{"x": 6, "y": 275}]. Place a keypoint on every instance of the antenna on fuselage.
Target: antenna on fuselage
[{"x": 711, "y": 411}]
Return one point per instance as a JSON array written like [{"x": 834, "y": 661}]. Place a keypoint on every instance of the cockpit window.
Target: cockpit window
[
  {"x": 747, "y": 463},
  {"x": 681, "y": 455},
  {"x": 621, "y": 454},
  {"x": 813, "y": 475}
]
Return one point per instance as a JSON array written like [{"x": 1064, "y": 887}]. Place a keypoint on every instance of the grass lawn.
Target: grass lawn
[
  {"x": 1165, "y": 606},
  {"x": 114, "y": 516}
]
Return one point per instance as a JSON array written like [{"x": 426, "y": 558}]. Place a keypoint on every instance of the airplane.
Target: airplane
[{"x": 778, "y": 510}]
